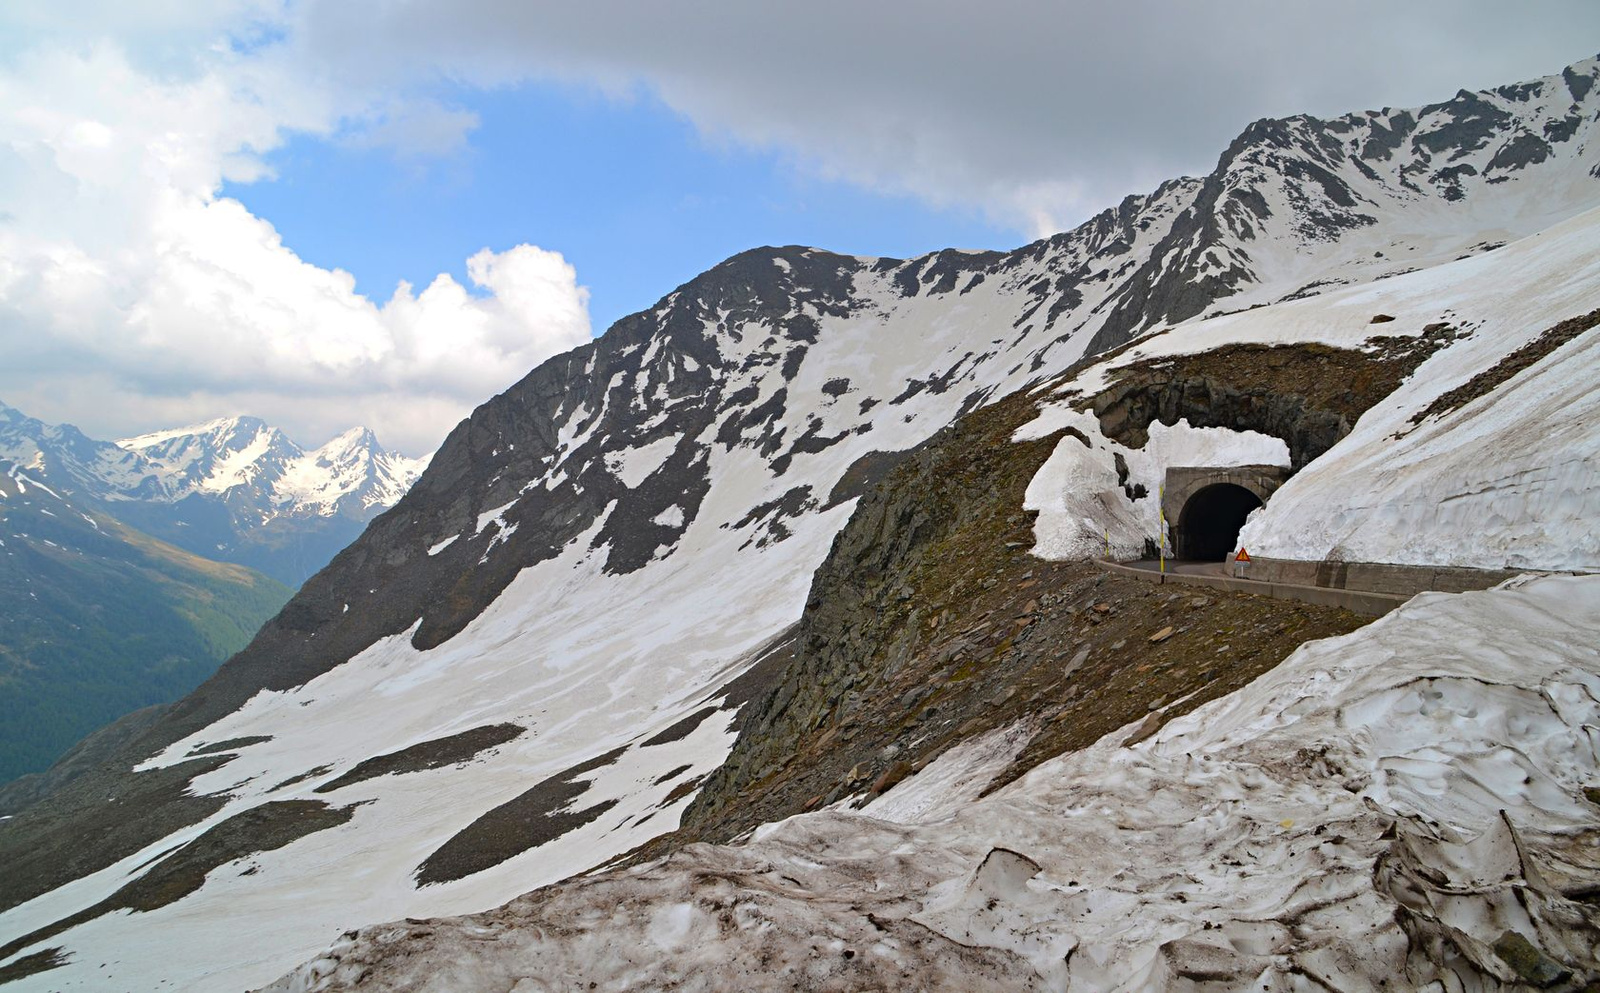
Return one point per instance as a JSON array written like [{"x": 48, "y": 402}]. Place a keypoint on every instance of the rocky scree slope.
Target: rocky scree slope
[{"x": 552, "y": 567}]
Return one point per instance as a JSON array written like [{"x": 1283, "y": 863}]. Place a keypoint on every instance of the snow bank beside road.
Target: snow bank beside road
[
  {"x": 1507, "y": 480},
  {"x": 1083, "y": 504},
  {"x": 1338, "y": 819}
]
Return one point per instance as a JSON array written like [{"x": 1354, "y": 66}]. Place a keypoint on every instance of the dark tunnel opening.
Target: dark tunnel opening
[{"x": 1208, "y": 525}]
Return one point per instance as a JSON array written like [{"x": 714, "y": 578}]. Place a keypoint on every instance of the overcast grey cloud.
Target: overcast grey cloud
[
  {"x": 1038, "y": 112},
  {"x": 132, "y": 293}
]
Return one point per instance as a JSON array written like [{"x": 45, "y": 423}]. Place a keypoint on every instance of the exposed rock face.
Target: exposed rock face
[
  {"x": 929, "y": 624},
  {"x": 1308, "y": 395},
  {"x": 1127, "y": 410}
]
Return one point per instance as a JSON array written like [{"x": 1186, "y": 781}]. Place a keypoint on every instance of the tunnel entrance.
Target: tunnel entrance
[{"x": 1208, "y": 527}]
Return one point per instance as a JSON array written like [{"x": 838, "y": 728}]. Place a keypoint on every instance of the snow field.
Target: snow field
[
  {"x": 1281, "y": 833},
  {"x": 1509, "y": 481}
]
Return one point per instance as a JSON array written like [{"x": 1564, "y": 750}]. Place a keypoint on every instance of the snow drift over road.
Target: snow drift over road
[{"x": 1374, "y": 811}]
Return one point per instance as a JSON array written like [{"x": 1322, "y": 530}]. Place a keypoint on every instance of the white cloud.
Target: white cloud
[{"x": 121, "y": 266}]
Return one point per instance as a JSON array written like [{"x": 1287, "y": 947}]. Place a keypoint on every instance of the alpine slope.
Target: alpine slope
[
  {"x": 524, "y": 669},
  {"x": 1366, "y": 816}
]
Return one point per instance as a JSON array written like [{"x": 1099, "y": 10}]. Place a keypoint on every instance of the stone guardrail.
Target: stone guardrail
[
  {"x": 1369, "y": 588},
  {"x": 1379, "y": 577},
  {"x": 1357, "y": 601}
]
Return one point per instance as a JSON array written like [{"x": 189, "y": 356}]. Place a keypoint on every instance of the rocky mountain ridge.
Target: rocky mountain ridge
[
  {"x": 643, "y": 397},
  {"x": 608, "y": 555}
]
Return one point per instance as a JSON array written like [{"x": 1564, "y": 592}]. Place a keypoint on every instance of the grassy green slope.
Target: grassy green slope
[{"x": 98, "y": 619}]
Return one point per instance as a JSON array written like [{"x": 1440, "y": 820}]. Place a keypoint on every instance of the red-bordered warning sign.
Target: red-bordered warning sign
[{"x": 1243, "y": 556}]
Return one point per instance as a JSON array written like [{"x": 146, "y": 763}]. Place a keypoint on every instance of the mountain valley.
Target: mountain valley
[
  {"x": 98, "y": 619},
  {"x": 130, "y": 568},
  {"x": 235, "y": 490}
]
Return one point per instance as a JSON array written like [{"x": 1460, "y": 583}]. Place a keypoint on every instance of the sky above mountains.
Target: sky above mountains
[{"x": 333, "y": 213}]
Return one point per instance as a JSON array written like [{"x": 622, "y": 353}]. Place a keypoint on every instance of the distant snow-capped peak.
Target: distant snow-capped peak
[
  {"x": 217, "y": 456},
  {"x": 245, "y": 458},
  {"x": 236, "y": 489},
  {"x": 353, "y": 472},
  {"x": 69, "y": 458}
]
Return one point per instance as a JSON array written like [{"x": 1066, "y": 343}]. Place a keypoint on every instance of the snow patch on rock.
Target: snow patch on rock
[{"x": 633, "y": 466}]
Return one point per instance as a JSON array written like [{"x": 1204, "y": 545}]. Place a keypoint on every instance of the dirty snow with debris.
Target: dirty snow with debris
[{"x": 1322, "y": 827}]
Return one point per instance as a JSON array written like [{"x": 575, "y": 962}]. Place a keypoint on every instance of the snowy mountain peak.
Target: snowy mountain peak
[
  {"x": 246, "y": 460},
  {"x": 358, "y": 438},
  {"x": 352, "y": 473},
  {"x": 220, "y": 431},
  {"x": 212, "y": 487},
  {"x": 218, "y": 456},
  {"x": 71, "y": 460}
]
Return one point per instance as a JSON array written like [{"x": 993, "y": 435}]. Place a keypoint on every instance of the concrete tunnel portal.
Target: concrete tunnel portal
[
  {"x": 1208, "y": 526},
  {"x": 1206, "y": 506}
]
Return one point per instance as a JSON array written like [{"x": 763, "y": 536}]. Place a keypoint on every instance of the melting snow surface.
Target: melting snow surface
[
  {"x": 1370, "y": 789},
  {"x": 634, "y": 465}
]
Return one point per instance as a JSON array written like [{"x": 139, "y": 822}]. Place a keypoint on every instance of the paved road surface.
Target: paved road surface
[
  {"x": 1188, "y": 568},
  {"x": 1362, "y": 602}
]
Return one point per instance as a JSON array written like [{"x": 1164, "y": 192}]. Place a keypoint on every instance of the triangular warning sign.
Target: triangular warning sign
[{"x": 1243, "y": 556}]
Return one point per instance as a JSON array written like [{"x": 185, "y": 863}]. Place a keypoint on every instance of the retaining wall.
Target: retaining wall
[
  {"x": 1378, "y": 577},
  {"x": 1361, "y": 602}
]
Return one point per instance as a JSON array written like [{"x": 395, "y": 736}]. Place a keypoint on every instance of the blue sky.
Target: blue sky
[{"x": 626, "y": 189}]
